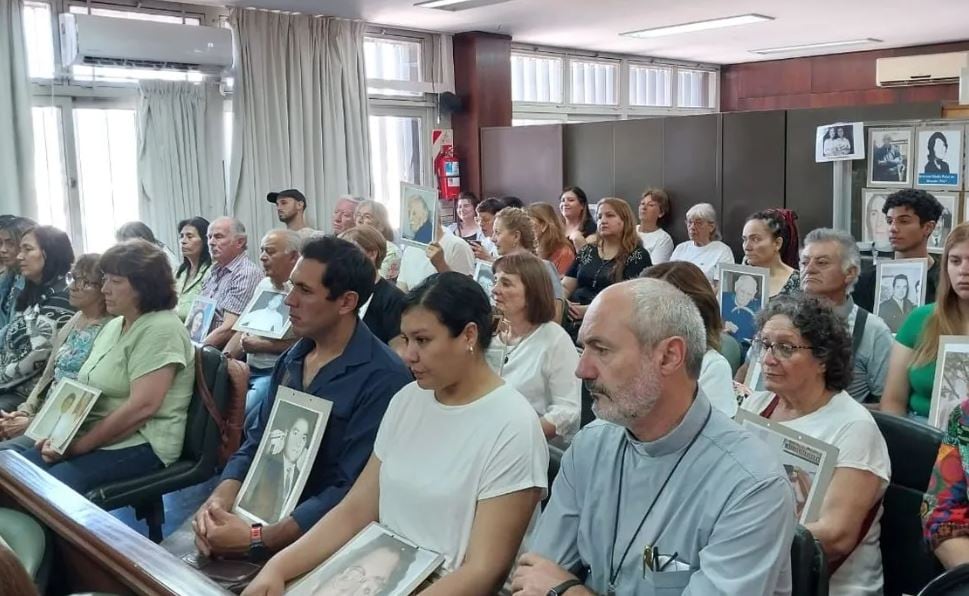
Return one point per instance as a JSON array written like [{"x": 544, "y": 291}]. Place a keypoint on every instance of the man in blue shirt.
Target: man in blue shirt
[{"x": 337, "y": 359}]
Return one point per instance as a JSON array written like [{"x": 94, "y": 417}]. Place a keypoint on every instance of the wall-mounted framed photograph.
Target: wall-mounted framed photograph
[
  {"x": 65, "y": 409},
  {"x": 808, "y": 462},
  {"x": 900, "y": 288},
  {"x": 266, "y": 315},
  {"x": 890, "y": 157},
  {"x": 939, "y": 163},
  {"x": 199, "y": 319},
  {"x": 949, "y": 218},
  {"x": 375, "y": 561},
  {"x": 742, "y": 294},
  {"x": 284, "y": 458},
  {"x": 874, "y": 226},
  {"x": 951, "y": 379},
  {"x": 418, "y": 214},
  {"x": 839, "y": 142}
]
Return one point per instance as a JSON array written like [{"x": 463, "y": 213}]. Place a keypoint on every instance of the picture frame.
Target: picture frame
[
  {"x": 808, "y": 462},
  {"x": 951, "y": 384},
  {"x": 739, "y": 312},
  {"x": 939, "y": 164},
  {"x": 199, "y": 319},
  {"x": 419, "y": 209},
  {"x": 485, "y": 276},
  {"x": 376, "y": 556},
  {"x": 754, "y": 379},
  {"x": 890, "y": 157},
  {"x": 839, "y": 141},
  {"x": 266, "y": 314},
  {"x": 284, "y": 458},
  {"x": 64, "y": 410},
  {"x": 891, "y": 304},
  {"x": 874, "y": 227},
  {"x": 951, "y": 209}
]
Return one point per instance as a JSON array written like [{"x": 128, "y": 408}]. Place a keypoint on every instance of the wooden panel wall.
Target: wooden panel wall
[
  {"x": 835, "y": 80},
  {"x": 524, "y": 161}
]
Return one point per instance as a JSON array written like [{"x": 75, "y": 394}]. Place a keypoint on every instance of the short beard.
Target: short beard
[
  {"x": 626, "y": 404},
  {"x": 286, "y": 219}
]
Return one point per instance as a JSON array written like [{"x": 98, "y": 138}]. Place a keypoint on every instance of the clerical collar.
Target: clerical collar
[{"x": 679, "y": 437}]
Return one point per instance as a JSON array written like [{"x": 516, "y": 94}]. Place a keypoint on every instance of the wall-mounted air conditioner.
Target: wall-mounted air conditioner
[
  {"x": 927, "y": 69},
  {"x": 107, "y": 41}
]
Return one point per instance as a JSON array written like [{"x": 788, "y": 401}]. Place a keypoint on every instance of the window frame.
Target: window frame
[
  {"x": 563, "y": 73},
  {"x": 424, "y": 86},
  {"x": 617, "y": 88}
]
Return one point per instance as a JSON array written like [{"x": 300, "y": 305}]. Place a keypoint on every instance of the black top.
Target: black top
[
  {"x": 383, "y": 314},
  {"x": 595, "y": 274},
  {"x": 864, "y": 292}
]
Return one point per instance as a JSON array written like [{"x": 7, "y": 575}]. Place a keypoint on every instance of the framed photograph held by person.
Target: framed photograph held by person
[
  {"x": 284, "y": 458},
  {"x": 742, "y": 294},
  {"x": 64, "y": 411},
  {"x": 199, "y": 319},
  {"x": 266, "y": 315},
  {"x": 900, "y": 288},
  {"x": 418, "y": 214},
  {"x": 808, "y": 462},
  {"x": 951, "y": 384}
]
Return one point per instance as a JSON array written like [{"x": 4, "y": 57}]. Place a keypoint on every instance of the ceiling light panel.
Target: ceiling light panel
[
  {"x": 814, "y": 46},
  {"x": 734, "y": 21}
]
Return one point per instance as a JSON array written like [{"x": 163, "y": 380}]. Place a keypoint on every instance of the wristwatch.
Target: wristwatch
[
  {"x": 257, "y": 548},
  {"x": 562, "y": 587}
]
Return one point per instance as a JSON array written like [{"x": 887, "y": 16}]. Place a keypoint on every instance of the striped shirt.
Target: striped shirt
[{"x": 231, "y": 286}]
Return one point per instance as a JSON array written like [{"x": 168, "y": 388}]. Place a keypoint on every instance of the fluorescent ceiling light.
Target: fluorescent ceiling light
[
  {"x": 743, "y": 19},
  {"x": 811, "y": 46},
  {"x": 456, "y": 4}
]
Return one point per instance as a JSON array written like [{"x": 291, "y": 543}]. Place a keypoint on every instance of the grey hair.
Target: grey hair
[
  {"x": 706, "y": 212},
  {"x": 745, "y": 280},
  {"x": 671, "y": 313},
  {"x": 355, "y": 200},
  {"x": 291, "y": 239},
  {"x": 236, "y": 227},
  {"x": 850, "y": 255}
]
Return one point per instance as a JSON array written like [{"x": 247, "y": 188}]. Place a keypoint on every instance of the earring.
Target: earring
[{"x": 470, "y": 349}]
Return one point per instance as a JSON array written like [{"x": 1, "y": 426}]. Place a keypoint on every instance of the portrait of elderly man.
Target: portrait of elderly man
[{"x": 740, "y": 308}]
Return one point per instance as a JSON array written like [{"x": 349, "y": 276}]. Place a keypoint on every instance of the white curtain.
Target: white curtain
[
  {"x": 442, "y": 63},
  {"x": 179, "y": 176},
  {"x": 300, "y": 114},
  {"x": 17, "y": 138}
]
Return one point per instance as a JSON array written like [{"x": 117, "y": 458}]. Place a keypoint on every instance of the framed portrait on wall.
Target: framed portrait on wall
[
  {"x": 874, "y": 227},
  {"x": 939, "y": 163},
  {"x": 899, "y": 290},
  {"x": 839, "y": 142},
  {"x": 890, "y": 157},
  {"x": 949, "y": 218}
]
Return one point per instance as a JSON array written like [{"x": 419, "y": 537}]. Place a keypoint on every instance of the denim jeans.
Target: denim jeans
[
  {"x": 259, "y": 380},
  {"x": 99, "y": 467}
]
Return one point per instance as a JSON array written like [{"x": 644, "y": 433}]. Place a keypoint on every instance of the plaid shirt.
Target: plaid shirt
[{"x": 231, "y": 286}]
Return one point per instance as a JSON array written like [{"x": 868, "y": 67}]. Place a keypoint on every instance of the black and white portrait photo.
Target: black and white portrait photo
[
  {"x": 839, "y": 141},
  {"x": 950, "y": 211},
  {"x": 951, "y": 379},
  {"x": 874, "y": 225},
  {"x": 901, "y": 287},
  {"x": 65, "y": 409},
  {"x": 890, "y": 157},
  {"x": 939, "y": 158},
  {"x": 266, "y": 315},
  {"x": 285, "y": 456},
  {"x": 485, "y": 278}
]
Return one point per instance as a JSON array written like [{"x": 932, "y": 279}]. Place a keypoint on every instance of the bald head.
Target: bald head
[{"x": 278, "y": 253}]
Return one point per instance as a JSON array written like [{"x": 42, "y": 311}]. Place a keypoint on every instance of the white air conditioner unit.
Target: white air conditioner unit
[
  {"x": 927, "y": 69},
  {"x": 107, "y": 41}
]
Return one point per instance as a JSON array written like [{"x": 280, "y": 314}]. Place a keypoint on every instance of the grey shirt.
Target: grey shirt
[
  {"x": 727, "y": 512},
  {"x": 871, "y": 358}
]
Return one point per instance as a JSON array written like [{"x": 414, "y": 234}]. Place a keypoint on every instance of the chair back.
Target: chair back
[
  {"x": 730, "y": 349},
  {"x": 809, "y": 567},
  {"x": 912, "y": 448},
  {"x": 201, "y": 431},
  {"x": 954, "y": 582}
]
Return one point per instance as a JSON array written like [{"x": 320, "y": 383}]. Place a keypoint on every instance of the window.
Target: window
[
  {"x": 396, "y": 155},
  {"x": 392, "y": 59},
  {"x": 594, "y": 82},
  {"x": 650, "y": 86},
  {"x": 49, "y": 179},
  {"x": 536, "y": 78},
  {"x": 107, "y": 172},
  {"x": 136, "y": 15},
  {"x": 39, "y": 37},
  {"x": 693, "y": 88}
]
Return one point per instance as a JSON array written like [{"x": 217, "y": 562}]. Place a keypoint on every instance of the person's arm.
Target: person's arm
[
  {"x": 253, "y": 344},
  {"x": 221, "y": 335},
  {"x": 569, "y": 284},
  {"x": 848, "y": 501},
  {"x": 234, "y": 347},
  {"x": 564, "y": 389},
  {"x": 15, "y": 371},
  {"x": 336, "y": 528},
  {"x": 496, "y": 535},
  {"x": 877, "y": 367},
  {"x": 945, "y": 509},
  {"x": 435, "y": 254},
  {"x": 895, "y": 398},
  {"x": 233, "y": 303},
  {"x": 663, "y": 250},
  {"x": 147, "y": 395}
]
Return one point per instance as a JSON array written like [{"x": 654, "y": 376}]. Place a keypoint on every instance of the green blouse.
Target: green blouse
[
  {"x": 920, "y": 378},
  {"x": 187, "y": 289}
]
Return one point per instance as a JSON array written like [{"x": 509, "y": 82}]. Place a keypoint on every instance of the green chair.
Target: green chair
[
  {"x": 28, "y": 540},
  {"x": 730, "y": 349}
]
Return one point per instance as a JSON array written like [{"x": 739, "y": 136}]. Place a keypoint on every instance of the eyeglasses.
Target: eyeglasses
[
  {"x": 780, "y": 350},
  {"x": 80, "y": 282}
]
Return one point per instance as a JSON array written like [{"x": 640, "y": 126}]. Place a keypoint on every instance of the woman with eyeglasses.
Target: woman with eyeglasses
[
  {"x": 805, "y": 352},
  {"x": 704, "y": 248},
  {"x": 42, "y": 308},
  {"x": 70, "y": 348}
]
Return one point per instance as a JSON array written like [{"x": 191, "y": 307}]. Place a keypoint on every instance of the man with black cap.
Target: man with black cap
[{"x": 290, "y": 207}]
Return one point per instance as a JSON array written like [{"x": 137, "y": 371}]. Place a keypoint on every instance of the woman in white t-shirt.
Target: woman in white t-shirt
[
  {"x": 459, "y": 463},
  {"x": 537, "y": 355},
  {"x": 807, "y": 366},
  {"x": 716, "y": 377},
  {"x": 654, "y": 207},
  {"x": 704, "y": 248}
]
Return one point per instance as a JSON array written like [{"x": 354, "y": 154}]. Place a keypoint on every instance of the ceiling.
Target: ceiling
[{"x": 596, "y": 24}]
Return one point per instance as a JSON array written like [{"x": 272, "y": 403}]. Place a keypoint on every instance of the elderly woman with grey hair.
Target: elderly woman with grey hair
[
  {"x": 704, "y": 248},
  {"x": 830, "y": 264},
  {"x": 805, "y": 352}
]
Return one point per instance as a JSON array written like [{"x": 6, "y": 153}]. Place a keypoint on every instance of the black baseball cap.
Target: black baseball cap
[{"x": 292, "y": 193}]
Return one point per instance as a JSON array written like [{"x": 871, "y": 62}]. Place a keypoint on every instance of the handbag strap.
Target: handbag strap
[{"x": 207, "y": 399}]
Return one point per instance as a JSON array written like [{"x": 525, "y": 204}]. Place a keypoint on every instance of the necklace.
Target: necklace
[{"x": 614, "y": 568}]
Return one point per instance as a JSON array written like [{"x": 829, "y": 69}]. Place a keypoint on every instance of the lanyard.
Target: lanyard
[{"x": 614, "y": 570}]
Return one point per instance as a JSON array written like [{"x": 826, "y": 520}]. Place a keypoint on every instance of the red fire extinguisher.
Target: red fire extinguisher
[{"x": 448, "y": 173}]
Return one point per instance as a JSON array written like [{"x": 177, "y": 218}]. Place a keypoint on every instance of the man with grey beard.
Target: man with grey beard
[{"x": 663, "y": 494}]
